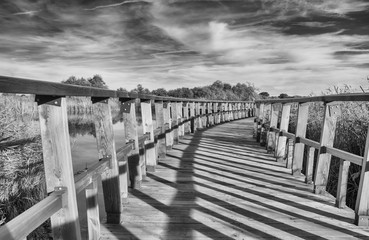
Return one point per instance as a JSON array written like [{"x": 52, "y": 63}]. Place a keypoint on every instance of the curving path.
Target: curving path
[{"x": 220, "y": 184}]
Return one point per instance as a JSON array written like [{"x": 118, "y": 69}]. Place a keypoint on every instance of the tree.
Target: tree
[
  {"x": 97, "y": 81},
  {"x": 283, "y": 95},
  {"x": 141, "y": 90},
  {"x": 264, "y": 94},
  {"x": 160, "y": 92},
  {"x": 122, "y": 89}
]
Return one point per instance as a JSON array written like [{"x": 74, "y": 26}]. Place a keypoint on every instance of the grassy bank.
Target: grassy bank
[{"x": 22, "y": 179}]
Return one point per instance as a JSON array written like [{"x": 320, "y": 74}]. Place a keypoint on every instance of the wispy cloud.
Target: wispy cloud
[{"x": 291, "y": 46}]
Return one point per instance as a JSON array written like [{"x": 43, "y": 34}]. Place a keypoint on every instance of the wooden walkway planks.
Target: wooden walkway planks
[{"x": 219, "y": 184}]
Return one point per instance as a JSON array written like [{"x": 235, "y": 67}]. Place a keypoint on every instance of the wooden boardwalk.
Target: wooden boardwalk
[{"x": 220, "y": 184}]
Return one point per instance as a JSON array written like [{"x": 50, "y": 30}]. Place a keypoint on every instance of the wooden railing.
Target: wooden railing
[
  {"x": 290, "y": 147},
  {"x": 117, "y": 168}
]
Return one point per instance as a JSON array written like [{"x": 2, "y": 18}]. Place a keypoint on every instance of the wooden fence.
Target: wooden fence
[
  {"x": 291, "y": 146},
  {"x": 118, "y": 168}
]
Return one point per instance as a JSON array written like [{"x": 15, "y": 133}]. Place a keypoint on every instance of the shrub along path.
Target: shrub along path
[{"x": 220, "y": 184}]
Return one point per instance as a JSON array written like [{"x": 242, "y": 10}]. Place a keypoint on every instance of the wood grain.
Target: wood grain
[
  {"x": 302, "y": 118},
  {"x": 59, "y": 168}
]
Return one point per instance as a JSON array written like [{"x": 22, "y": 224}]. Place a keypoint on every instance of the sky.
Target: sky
[{"x": 296, "y": 47}]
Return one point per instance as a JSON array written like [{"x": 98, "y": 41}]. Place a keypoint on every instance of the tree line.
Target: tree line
[{"x": 216, "y": 91}]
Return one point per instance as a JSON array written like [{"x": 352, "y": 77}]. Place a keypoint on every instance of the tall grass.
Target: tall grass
[
  {"x": 351, "y": 131},
  {"x": 22, "y": 178}
]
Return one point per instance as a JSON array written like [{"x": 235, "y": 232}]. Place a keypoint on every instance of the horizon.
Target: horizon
[{"x": 295, "y": 47}]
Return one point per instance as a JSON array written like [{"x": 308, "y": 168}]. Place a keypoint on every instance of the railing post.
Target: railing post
[
  {"x": 342, "y": 183},
  {"x": 281, "y": 142},
  {"x": 186, "y": 127},
  {"x": 168, "y": 121},
  {"x": 147, "y": 124},
  {"x": 106, "y": 147},
  {"x": 362, "y": 200},
  {"x": 130, "y": 125},
  {"x": 309, "y": 165},
  {"x": 302, "y": 118},
  {"x": 175, "y": 123},
  {"x": 324, "y": 159},
  {"x": 198, "y": 118},
  {"x": 215, "y": 112},
  {"x": 159, "y": 115},
  {"x": 92, "y": 208},
  {"x": 180, "y": 119},
  {"x": 271, "y": 135},
  {"x": 58, "y": 166},
  {"x": 260, "y": 120},
  {"x": 256, "y": 120},
  {"x": 192, "y": 117}
]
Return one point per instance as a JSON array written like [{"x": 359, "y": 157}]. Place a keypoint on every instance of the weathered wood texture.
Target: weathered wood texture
[
  {"x": 219, "y": 184},
  {"x": 160, "y": 123},
  {"x": 92, "y": 206},
  {"x": 106, "y": 147},
  {"x": 326, "y": 139},
  {"x": 147, "y": 124},
  {"x": 281, "y": 142},
  {"x": 298, "y": 155},
  {"x": 271, "y": 141},
  {"x": 130, "y": 125},
  {"x": 58, "y": 167}
]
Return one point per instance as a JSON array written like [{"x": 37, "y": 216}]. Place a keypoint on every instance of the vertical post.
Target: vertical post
[
  {"x": 150, "y": 154},
  {"x": 302, "y": 118},
  {"x": 326, "y": 139},
  {"x": 362, "y": 200},
  {"x": 130, "y": 125},
  {"x": 58, "y": 166},
  {"x": 175, "y": 126},
  {"x": 159, "y": 114},
  {"x": 186, "y": 127},
  {"x": 192, "y": 117},
  {"x": 290, "y": 153},
  {"x": 180, "y": 119},
  {"x": 271, "y": 135},
  {"x": 198, "y": 119},
  {"x": 168, "y": 122},
  {"x": 92, "y": 206},
  {"x": 342, "y": 184},
  {"x": 106, "y": 147},
  {"x": 281, "y": 142},
  {"x": 260, "y": 122},
  {"x": 309, "y": 165},
  {"x": 215, "y": 111}
]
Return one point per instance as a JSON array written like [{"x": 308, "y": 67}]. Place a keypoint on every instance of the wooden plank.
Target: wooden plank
[
  {"x": 192, "y": 116},
  {"x": 326, "y": 98},
  {"x": 92, "y": 206},
  {"x": 327, "y": 137},
  {"x": 168, "y": 120},
  {"x": 58, "y": 167},
  {"x": 111, "y": 178},
  {"x": 150, "y": 154},
  {"x": 130, "y": 125},
  {"x": 197, "y": 119},
  {"x": 159, "y": 113},
  {"x": 21, "y": 226},
  {"x": 356, "y": 159},
  {"x": 180, "y": 119},
  {"x": 342, "y": 183},
  {"x": 362, "y": 200},
  {"x": 309, "y": 165},
  {"x": 187, "y": 124},
  {"x": 281, "y": 141},
  {"x": 302, "y": 118},
  {"x": 84, "y": 179}
]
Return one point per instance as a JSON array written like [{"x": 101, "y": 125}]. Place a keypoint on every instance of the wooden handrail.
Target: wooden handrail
[
  {"x": 29, "y": 86},
  {"x": 325, "y": 98},
  {"x": 356, "y": 159},
  {"x": 26, "y": 222},
  {"x": 84, "y": 179}
]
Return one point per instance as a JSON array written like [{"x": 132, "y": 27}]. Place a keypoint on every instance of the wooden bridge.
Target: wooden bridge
[{"x": 199, "y": 172}]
